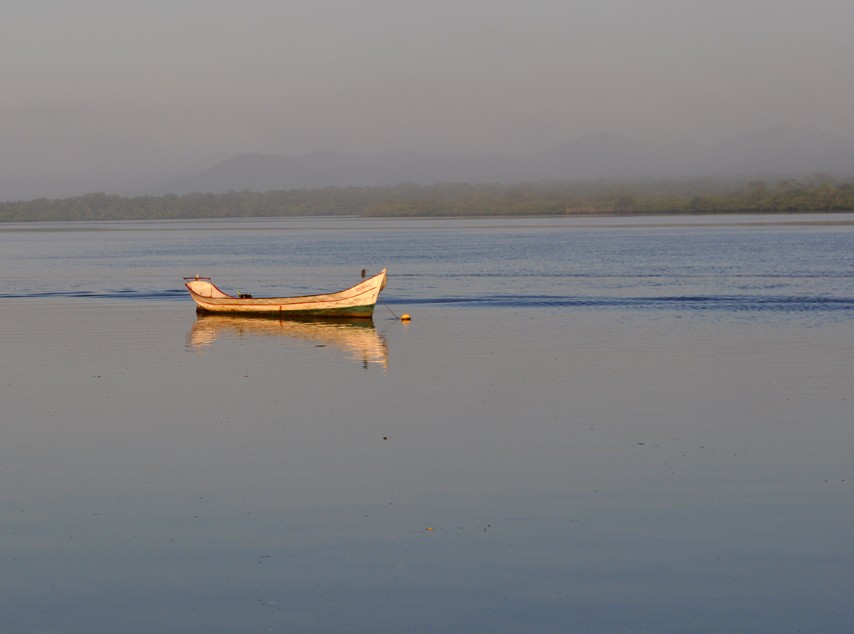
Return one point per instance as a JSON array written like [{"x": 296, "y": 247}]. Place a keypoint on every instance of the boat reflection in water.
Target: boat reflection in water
[{"x": 358, "y": 338}]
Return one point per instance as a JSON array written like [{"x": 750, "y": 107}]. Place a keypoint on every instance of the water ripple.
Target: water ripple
[
  {"x": 131, "y": 294},
  {"x": 688, "y": 303},
  {"x": 730, "y": 303}
]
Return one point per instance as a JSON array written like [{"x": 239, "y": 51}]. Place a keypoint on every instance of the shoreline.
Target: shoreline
[{"x": 428, "y": 216}]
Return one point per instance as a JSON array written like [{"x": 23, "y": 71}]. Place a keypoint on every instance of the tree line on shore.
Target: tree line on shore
[{"x": 820, "y": 193}]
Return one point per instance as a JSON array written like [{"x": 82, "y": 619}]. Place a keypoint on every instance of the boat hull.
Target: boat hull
[{"x": 353, "y": 303}]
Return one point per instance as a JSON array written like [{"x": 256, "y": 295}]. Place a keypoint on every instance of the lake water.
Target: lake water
[{"x": 590, "y": 425}]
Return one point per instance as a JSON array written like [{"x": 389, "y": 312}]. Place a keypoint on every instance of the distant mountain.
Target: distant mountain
[
  {"x": 603, "y": 155},
  {"x": 786, "y": 151},
  {"x": 774, "y": 152},
  {"x": 247, "y": 171},
  {"x": 259, "y": 172}
]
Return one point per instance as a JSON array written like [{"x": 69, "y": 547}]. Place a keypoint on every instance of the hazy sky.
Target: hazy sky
[{"x": 159, "y": 86}]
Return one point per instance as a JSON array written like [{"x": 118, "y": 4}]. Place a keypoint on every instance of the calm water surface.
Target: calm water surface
[{"x": 590, "y": 425}]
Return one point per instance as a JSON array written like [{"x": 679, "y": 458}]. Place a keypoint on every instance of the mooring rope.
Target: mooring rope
[{"x": 390, "y": 310}]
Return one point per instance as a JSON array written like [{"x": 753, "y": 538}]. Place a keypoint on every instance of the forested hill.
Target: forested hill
[{"x": 460, "y": 199}]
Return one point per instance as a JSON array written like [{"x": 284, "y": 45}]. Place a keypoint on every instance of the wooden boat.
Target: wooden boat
[{"x": 355, "y": 302}]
